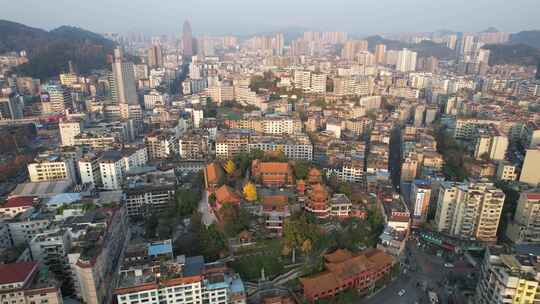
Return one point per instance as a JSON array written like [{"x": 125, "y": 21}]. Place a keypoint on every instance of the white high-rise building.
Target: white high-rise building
[
  {"x": 483, "y": 56},
  {"x": 113, "y": 166},
  {"x": 525, "y": 227},
  {"x": 123, "y": 80},
  {"x": 89, "y": 170},
  {"x": 68, "y": 130},
  {"x": 406, "y": 61},
  {"x": 302, "y": 79},
  {"x": 318, "y": 83},
  {"x": 469, "y": 211},
  {"x": 198, "y": 118},
  {"x": 55, "y": 99},
  {"x": 530, "y": 174}
]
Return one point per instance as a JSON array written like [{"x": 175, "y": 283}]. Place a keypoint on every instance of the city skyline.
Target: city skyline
[{"x": 209, "y": 17}]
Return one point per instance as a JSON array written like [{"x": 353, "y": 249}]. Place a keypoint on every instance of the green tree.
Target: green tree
[
  {"x": 319, "y": 103},
  {"x": 211, "y": 242},
  {"x": 186, "y": 201},
  {"x": 346, "y": 189},
  {"x": 150, "y": 226},
  {"x": 212, "y": 199},
  {"x": 301, "y": 169},
  {"x": 234, "y": 219},
  {"x": 297, "y": 229}
]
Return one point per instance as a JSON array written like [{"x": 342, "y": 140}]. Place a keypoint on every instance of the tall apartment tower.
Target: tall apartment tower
[
  {"x": 469, "y": 211},
  {"x": 123, "y": 80},
  {"x": 380, "y": 53},
  {"x": 406, "y": 61},
  {"x": 529, "y": 173},
  {"x": 187, "y": 39},
  {"x": 525, "y": 227},
  {"x": 155, "y": 56}
]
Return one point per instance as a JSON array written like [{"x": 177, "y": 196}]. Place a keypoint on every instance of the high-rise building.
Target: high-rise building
[
  {"x": 420, "y": 197},
  {"x": 530, "y": 173},
  {"x": 406, "y": 61},
  {"x": 55, "y": 99},
  {"x": 155, "y": 56},
  {"x": 483, "y": 56},
  {"x": 123, "y": 80},
  {"x": 451, "y": 41},
  {"x": 50, "y": 167},
  {"x": 525, "y": 227},
  {"x": 467, "y": 45},
  {"x": 352, "y": 47},
  {"x": 68, "y": 130},
  {"x": 11, "y": 107},
  {"x": 508, "y": 278},
  {"x": 380, "y": 53},
  {"x": 187, "y": 40},
  {"x": 469, "y": 211}
]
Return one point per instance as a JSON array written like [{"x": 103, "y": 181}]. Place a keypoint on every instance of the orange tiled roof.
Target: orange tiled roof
[
  {"x": 226, "y": 195},
  {"x": 212, "y": 173},
  {"x": 322, "y": 281},
  {"x": 337, "y": 256},
  {"x": 274, "y": 167},
  {"x": 275, "y": 200},
  {"x": 341, "y": 266}
]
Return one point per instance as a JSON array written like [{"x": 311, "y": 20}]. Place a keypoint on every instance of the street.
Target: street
[
  {"x": 427, "y": 273},
  {"x": 207, "y": 217}
]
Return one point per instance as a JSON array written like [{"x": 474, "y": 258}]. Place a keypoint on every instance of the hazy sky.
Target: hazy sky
[{"x": 249, "y": 16}]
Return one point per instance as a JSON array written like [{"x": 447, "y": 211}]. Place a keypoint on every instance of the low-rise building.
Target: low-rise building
[
  {"x": 25, "y": 283},
  {"x": 275, "y": 209},
  {"x": 345, "y": 270},
  {"x": 508, "y": 278}
]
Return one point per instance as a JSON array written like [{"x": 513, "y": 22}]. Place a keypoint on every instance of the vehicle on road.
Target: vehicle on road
[
  {"x": 401, "y": 292},
  {"x": 433, "y": 299},
  {"x": 448, "y": 265}
]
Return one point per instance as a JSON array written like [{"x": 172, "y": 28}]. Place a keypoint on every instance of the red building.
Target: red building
[
  {"x": 317, "y": 201},
  {"x": 226, "y": 195},
  {"x": 346, "y": 270},
  {"x": 272, "y": 174},
  {"x": 213, "y": 174}
]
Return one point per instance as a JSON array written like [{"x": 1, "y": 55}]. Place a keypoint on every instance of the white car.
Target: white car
[
  {"x": 401, "y": 292},
  {"x": 448, "y": 265}
]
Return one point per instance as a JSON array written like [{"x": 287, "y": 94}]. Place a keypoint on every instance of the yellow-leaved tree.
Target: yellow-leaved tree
[
  {"x": 250, "y": 192},
  {"x": 229, "y": 167}
]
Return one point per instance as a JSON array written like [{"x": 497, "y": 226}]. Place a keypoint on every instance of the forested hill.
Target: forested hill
[{"x": 50, "y": 51}]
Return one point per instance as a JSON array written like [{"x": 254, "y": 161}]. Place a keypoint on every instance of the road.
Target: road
[
  {"x": 427, "y": 270},
  {"x": 207, "y": 216}
]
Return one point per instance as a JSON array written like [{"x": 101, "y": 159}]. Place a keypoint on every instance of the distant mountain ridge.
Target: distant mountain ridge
[
  {"x": 424, "y": 48},
  {"x": 530, "y": 38},
  {"x": 50, "y": 51}
]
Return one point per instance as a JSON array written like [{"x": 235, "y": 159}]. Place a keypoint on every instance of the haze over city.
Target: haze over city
[
  {"x": 249, "y": 17},
  {"x": 270, "y": 152}
]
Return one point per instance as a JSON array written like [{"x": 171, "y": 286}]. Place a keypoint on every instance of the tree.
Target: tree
[
  {"x": 211, "y": 242},
  {"x": 319, "y": 103},
  {"x": 150, "y": 226},
  {"x": 307, "y": 246},
  {"x": 297, "y": 229},
  {"x": 229, "y": 167},
  {"x": 212, "y": 199},
  {"x": 372, "y": 114},
  {"x": 186, "y": 201},
  {"x": 250, "y": 192},
  {"x": 301, "y": 169},
  {"x": 346, "y": 189},
  {"x": 234, "y": 219}
]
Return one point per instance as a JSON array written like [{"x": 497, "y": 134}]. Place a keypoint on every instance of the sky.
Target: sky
[{"x": 251, "y": 16}]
